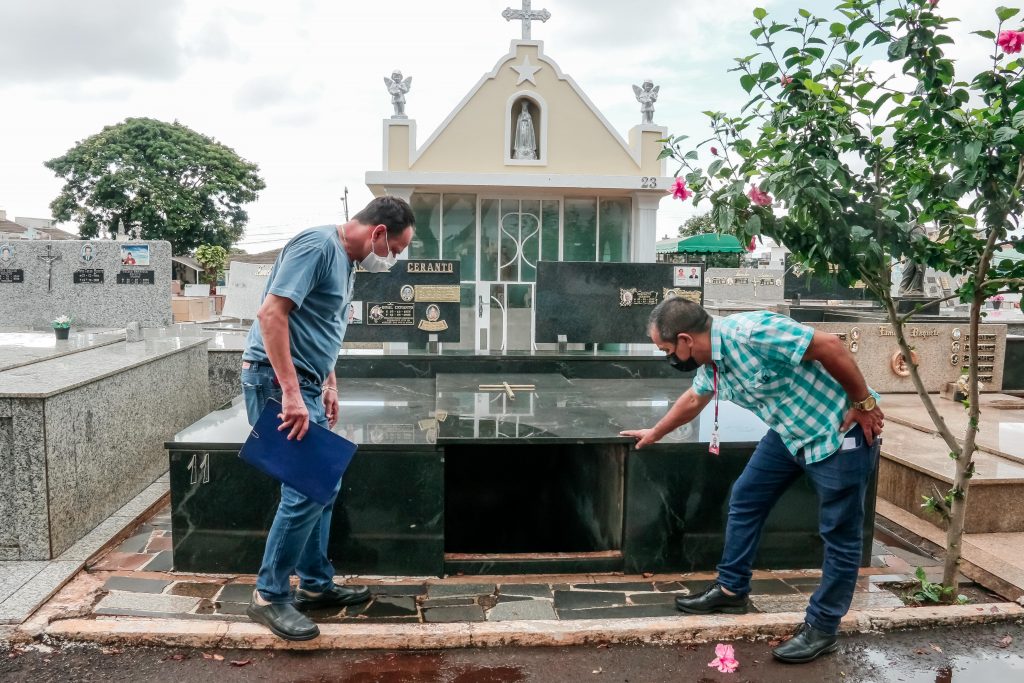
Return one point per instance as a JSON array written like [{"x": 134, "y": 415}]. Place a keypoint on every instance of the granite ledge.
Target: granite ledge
[{"x": 55, "y": 376}]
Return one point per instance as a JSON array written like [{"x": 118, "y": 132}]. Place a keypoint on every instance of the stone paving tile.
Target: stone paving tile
[
  {"x": 127, "y": 583},
  {"x": 653, "y": 598},
  {"x": 668, "y": 586},
  {"x": 236, "y": 592},
  {"x": 441, "y": 590},
  {"x": 875, "y": 600},
  {"x": 379, "y": 620},
  {"x": 14, "y": 575},
  {"x": 622, "y": 612},
  {"x": 770, "y": 587},
  {"x": 159, "y": 544},
  {"x": 584, "y": 599},
  {"x": 195, "y": 590},
  {"x": 235, "y": 608},
  {"x": 627, "y": 587},
  {"x": 135, "y": 544},
  {"x": 443, "y": 615},
  {"x": 915, "y": 559},
  {"x": 502, "y": 599},
  {"x": 121, "y": 562},
  {"x": 397, "y": 606},
  {"x": 205, "y": 606},
  {"x": 23, "y": 602},
  {"x": 161, "y": 562},
  {"x": 137, "y": 604},
  {"x": 522, "y": 609},
  {"x": 891, "y": 578},
  {"x": 531, "y": 590},
  {"x": 793, "y": 602},
  {"x": 399, "y": 589},
  {"x": 450, "y": 602}
]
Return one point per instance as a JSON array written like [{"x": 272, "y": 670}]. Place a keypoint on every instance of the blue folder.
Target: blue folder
[{"x": 313, "y": 466}]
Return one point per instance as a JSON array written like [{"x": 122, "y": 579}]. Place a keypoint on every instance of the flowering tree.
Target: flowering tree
[{"x": 861, "y": 161}]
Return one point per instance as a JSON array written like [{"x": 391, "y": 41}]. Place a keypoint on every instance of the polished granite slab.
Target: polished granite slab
[{"x": 24, "y": 348}]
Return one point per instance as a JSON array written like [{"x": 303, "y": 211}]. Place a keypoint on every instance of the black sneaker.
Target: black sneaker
[
  {"x": 335, "y": 596},
  {"x": 713, "y": 601},
  {"x": 283, "y": 620},
  {"x": 805, "y": 646}
]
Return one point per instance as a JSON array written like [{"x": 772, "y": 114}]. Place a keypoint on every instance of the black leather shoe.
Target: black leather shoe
[
  {"x": 284, "y": 620},
  {"x": 805, "y": 646},
  {"x": 713, "y": 600},
  {"x": 335, "y": 596}
]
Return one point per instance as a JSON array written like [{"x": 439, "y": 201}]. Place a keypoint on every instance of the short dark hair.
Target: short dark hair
[
  {"x": 676, "y": 315},
  {"x": 392, "y": 212}
]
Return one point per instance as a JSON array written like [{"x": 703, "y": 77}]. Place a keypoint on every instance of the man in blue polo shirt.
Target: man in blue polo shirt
[
  {"x": 823, "y": 422},
  {"x": 289, "y": 356}
]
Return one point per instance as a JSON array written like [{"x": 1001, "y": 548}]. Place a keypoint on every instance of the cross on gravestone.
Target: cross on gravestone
[
  {"x": 527, "y": 16},
  {"x": 49, "y": 257}
]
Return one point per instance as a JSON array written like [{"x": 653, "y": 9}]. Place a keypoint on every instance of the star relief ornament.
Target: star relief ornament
[{"x": 526, "y": 71}]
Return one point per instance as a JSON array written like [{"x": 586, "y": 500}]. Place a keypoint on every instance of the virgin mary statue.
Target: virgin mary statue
[{"x": 525, "y": 145}]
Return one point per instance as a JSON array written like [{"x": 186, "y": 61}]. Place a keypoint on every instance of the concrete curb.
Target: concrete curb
[{"x": 662, "y": 630}]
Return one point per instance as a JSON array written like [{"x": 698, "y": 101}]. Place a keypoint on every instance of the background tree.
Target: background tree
[
  {"x": 859, "y": 159},
  {"x": 212, "y": 258},
  {"x": 698, "y": 225},
  {"x": 164, "y": 180}
]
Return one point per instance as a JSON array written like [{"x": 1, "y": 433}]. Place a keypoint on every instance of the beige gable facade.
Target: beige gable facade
[{"x": 500, "y": 193}]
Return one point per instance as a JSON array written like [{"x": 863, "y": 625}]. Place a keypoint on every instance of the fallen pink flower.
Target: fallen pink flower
[
  {"x": 679, "y": 190},
  {"x": 1011, "y": 41},
  {"x": 758, "y": 197},
  {"x": 725, "y": 659}
]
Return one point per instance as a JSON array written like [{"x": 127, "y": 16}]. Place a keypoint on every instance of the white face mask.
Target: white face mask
[{"x": 379, "y": 264}]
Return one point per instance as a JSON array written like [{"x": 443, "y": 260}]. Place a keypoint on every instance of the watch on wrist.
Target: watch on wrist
[{"x": 866, "y": 405}]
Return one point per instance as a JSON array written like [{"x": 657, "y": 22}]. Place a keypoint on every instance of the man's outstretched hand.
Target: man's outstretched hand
[{"x": 644, "y": 437}]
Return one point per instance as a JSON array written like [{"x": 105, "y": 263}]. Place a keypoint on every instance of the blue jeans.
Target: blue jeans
[
  {"x": 297, "y": 542},
  {"x": 841, "y": 481}
]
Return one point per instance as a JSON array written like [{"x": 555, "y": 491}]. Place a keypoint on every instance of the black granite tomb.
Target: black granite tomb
[
  {"x": 412, "y": 301},
  {"x": 607, "y": 303},
  {"x": 802, "y": 284}
]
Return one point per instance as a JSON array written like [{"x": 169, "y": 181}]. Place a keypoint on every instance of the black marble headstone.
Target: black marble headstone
[
  {"x": 408, "y": 304},
  {"x": 608, "y": 303},
  {"x": 806, "y": 285}
]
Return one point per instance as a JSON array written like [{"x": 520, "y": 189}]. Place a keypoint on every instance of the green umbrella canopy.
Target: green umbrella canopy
[{"x": 707, "y": 243}]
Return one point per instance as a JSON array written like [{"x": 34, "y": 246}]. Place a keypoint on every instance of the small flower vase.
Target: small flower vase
[
  {"x": 997, "y": 304},
  {"x": 62, "y": 332}
]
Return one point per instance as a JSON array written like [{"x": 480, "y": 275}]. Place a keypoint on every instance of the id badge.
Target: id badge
[{"x": 713, "y": 446}]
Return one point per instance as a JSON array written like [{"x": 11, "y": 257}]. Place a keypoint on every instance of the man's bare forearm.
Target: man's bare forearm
[
  {"x": 686, "y": 407},
  {"x": 277, "y": 341}
]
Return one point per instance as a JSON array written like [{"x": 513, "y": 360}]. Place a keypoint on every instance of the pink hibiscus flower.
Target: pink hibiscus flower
[
  {"x": 785, "y": 80},
  {"x": 679, "y": 190},
  {"x": 714, "y": 150},
  {"x": 1011, "y": 41},
  {"x": 725, "y": 659},
  {"x": 758, "y": 197}
]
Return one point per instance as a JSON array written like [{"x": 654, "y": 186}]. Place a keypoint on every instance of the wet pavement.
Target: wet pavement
[{"x": 986, "y": 654}]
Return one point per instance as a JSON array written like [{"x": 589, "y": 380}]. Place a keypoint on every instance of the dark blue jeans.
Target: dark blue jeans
[
  {"x": 841, "y": 481},
  {"x": 297, "y": 542}
]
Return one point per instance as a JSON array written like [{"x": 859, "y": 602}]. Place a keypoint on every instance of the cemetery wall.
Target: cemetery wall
[{"x": 88, "y": 282}]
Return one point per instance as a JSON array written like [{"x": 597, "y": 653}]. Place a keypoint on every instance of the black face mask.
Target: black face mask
[{"x": 688, "y": 365}]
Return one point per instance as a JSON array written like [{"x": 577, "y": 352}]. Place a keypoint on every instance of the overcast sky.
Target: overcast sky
[{"x": 296, "y": 86}]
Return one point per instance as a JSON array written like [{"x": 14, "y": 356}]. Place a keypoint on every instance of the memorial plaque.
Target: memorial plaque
[
  {"x": 136, "y": 277},
  {"x": 415, "y": 299},
  {"x": 88, "y": 276},
  {"x": 607, "y": 303},
  {"x": 12, "y": 276}
]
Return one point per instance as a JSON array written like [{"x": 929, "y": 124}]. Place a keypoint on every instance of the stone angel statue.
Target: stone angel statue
[
  {"x": 647, "y": 95},
  {"x": 398, "y": 88}
]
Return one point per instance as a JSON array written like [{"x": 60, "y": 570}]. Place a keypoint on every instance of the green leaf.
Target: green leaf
[
  {"x": 1018, "y": 119},
  {"x": 898, "y": 49},
  {"x": 715, "y": 166},
  {"x": 767, "y": 70},
  {"x": 972, "y": 151},
  {"x": 754, "y": 224},
  {"x": 804, "y": 13},
  {"x": 1005, "y": 13},
  {"x": 815, "y": 87},
  {"x": 837, "y": 29},
  {"x": 760, "y": 13},
  {"x": 985, "y": 34},
  {"x": 748, "y": 82},
  {"x": 1005, "y": 133},
  {"x": 665, "y": 153},
  {"x": 692, "y": 155}
]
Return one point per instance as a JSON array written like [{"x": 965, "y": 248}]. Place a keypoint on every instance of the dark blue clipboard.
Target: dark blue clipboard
[{"x": 313, "y": 466}]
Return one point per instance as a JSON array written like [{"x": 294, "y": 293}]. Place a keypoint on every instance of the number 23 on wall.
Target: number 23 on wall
[{"x": 648, "y": 182}]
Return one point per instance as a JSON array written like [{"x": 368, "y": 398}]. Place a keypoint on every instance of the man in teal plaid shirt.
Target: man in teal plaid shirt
[{"x": 823, "y": 422}]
